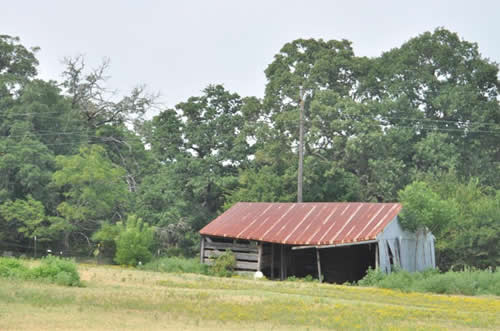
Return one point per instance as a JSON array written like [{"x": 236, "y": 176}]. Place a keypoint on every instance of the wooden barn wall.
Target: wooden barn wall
[{"x": 246, "y": 252}]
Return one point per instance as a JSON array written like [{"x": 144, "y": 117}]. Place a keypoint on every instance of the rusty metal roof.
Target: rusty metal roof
[{"x": 309, "y": 223}]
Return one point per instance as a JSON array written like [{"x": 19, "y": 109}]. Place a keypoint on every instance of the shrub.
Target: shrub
[
  {"x": 134, "y": 242},
  {"x": 373, "y": 277},
  {"x": 177, "y": 265},
  {"x": 51, "y": 269},
  {"x": 467, "y": 282},
  {"x": 224, "y": 264},
  {"x": 56, "y": 270},
  {"x": 12, "y": 268}
]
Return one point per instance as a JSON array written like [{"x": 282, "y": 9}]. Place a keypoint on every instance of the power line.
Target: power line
[
  {"x": 386, "y": 118},
  {"x": 33, "y": 145},
  {"x": 48, "y": 133},
  {"x": 467, "y": 129},
  {"x": 104, "y": 139},
  {"x": 375, "y": 117},
  {"x": 464, "y": 130},
  {"x": 28, "y": 114},
  {"x": 75, "y": 143},
  {"x": 448, "y": 129}
]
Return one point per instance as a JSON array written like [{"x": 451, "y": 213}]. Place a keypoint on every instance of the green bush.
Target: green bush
[
  {"x": 134, "y": 242},
  {"x": 51, "y": 269},
  {"x": 224, "y": 264},
  {"x": 177, "y": 265},
  {"x": 56, "y": 270},
  {"x": 373, "y": 276},
  {"x": 12, "y": 268},
  {"x": 467, "y": 282}
]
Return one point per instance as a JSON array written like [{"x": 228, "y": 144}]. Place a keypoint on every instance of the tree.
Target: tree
[
  {"x": 95, "y": 103},
  {"x": 472, "y": 237},
  {"x": 463, "y": 216},
  {"x": 423, "y": 209},
  {"x": 125, "y": 148},
  {"x": 302, "y": 68},
  {"x": 17, "y": 65},
  {"x": 201, "y": 144},
  {"x": 26, "y": 167},
  {"x": 134, "y": 241},
  {"x": 437, "y": 82},
  {"x": 40, "y": 111},
  {"x": 94, "y": 190},
  {"x": 29, "y": 219}
]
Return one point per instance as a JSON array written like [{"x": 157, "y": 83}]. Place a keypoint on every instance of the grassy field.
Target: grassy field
[{"x": 119, "y": 298}]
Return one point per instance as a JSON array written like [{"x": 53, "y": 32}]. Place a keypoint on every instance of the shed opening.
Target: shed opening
[{"x": 338, "y": 264}]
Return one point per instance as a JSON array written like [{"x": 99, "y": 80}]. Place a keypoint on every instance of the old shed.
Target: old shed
[{"x": 336, "y": 242}]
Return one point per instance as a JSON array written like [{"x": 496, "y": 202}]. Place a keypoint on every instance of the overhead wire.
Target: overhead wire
[
  {"x": 358, "y": 115},
  {"x": 424, "y": 126}
]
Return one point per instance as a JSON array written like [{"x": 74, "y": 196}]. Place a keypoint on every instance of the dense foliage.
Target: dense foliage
[{"x": 419, "y": 124}]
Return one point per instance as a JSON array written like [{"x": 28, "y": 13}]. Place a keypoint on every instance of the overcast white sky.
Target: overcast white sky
[{"x": 179, "y": 47}]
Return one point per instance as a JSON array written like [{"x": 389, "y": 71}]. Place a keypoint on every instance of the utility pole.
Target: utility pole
[{"x": 301, "y": 147}]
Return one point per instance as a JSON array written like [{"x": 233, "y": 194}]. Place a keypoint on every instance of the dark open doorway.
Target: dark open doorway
[{"x": 338, "y": 264}]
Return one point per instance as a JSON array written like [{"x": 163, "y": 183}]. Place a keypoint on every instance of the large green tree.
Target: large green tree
[
  {"x": 201, "y": 145},
  {"x": 94, "y": 190},
  {"x": 439, "y": 83},
  {"x": 17, "y": 65},
  {"x": 463, "y": 216}
]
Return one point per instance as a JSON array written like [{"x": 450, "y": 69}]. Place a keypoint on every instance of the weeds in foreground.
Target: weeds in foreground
[
  {"x": 223, "y": 266},
  {"x": 467, "y": 282}
]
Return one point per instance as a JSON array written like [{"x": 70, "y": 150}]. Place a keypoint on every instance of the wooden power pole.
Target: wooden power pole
[{"x": 301, "y": 147}]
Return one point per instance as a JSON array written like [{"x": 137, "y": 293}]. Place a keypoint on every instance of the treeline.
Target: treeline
[{"x": 419, "y": 124}]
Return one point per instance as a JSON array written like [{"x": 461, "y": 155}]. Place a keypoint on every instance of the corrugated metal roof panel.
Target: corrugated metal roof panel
[{"x": 323, "y": 223}]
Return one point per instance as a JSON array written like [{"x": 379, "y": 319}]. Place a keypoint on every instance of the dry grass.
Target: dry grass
[{"x": 119, "y": 298}]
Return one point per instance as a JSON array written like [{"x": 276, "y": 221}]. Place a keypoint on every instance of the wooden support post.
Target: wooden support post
[
  {"x": 285, "y": 263},
  {"x": 259, "y": 257},
  {"x": 272, "y": 261},
  {"x": 376, "y": 257},
  {"x": 320, "y": 277},
  {"x": 202, "y": 249},
  {"x": 282, "y": 262}
]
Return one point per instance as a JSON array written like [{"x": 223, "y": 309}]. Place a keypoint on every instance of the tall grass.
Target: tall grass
[
  {"x": 177, "y": 265},
  {"x": 156, "y": 301},
  {"x": 467, "y": 282},
  {"x": 51, "y": 269},
  {"x": 223, "y": 267}
]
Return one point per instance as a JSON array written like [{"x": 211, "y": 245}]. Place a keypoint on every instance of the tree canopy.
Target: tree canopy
[{"x": 80, "y": 166}]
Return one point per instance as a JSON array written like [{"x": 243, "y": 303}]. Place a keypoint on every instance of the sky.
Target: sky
[{"x": 177, "y": 48}]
